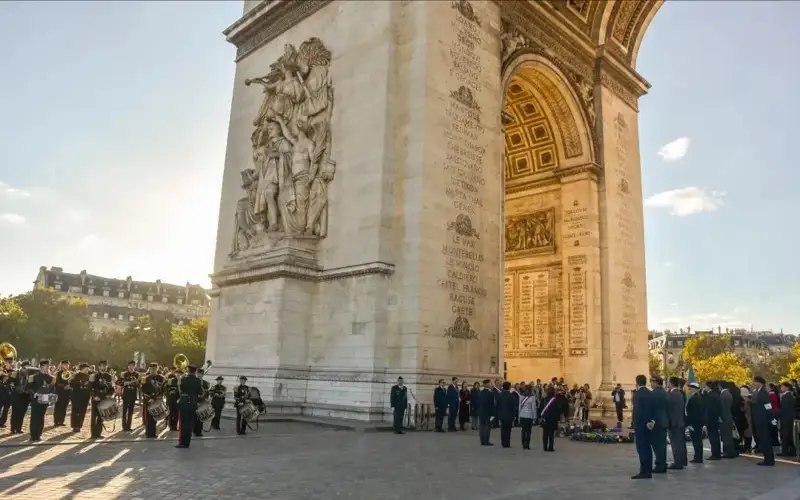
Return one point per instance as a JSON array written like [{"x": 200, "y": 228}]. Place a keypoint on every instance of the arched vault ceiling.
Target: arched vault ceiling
[{"x": 540, "y": 129}]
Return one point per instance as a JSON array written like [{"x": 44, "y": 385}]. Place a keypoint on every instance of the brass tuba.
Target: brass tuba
[
  {"x": 66, "y": 375},
  {"x": 8, "y": 350},
  {"x": 180, "y": 362}
]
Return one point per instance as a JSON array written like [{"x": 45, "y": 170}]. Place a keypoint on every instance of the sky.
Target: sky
[{"x": 114, "y": 116}]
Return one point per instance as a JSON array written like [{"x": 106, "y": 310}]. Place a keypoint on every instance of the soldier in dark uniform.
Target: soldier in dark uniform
[
  {"x": 41, "y": 383},
  {"x": 172, "y": 393},
  {"x": 129, "y": 381},
  {"x": 102, "y": 387},
  {"x": 217, "y": 401},
  {"x": 80, "y": 397},
  {"x": 398, "y": 398},
  {"x": 190, "y": 390},
  {"x": 151, "y": 390},
  {"x": 240, "y": 396},
  {"x": 20, "y": 399},
  {"x": 63, "y": 392},
  {"x": 198, "y": 424},
  {"x": 5, "y": 390}
]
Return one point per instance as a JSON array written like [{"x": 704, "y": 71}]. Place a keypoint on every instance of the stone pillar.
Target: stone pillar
[
  {"x": 397, "y": 126},
  {"x": 624, "y": 331}
]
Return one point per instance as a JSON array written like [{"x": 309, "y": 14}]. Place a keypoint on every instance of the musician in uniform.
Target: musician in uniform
[
  {"x": 198, "y": 424},
  {"x": 40, "y": 384},
  {"x": 151, "y": 391},
  {"x": 173, "y": 394},
  {"x": 217, "y": 401},
  {"x": 102, "y": 387},
  {"x": 129, "y": 382},
  {"x": 80, "y": 396},
  {"x": 20, "y": 399},
  {"x": 190, "y": 390},
  {"x": 240, "y": 396},
  {"x": 5, "y": 390},
  {"x": 63, "y": 392}
]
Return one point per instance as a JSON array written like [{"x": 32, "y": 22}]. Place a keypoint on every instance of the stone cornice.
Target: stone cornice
[
  {"x": 556, "y": 177},
  {"x": 620, "y": 78},
  {"x": 268, "y": 20},
  {"x": 239, "y": 275}
]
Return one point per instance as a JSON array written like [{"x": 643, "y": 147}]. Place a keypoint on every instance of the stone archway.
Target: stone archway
[{"x": 551, "y": 224}]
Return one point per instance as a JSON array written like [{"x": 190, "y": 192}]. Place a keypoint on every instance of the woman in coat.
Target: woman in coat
[{"x": 464, "y": 397}]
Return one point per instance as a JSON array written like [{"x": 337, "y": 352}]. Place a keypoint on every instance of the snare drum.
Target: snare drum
[
  {"x": 204, "y": 412},
  {"x": 108, "y": 409},
  {"x": 248, "y": 411},
  {"x": 46, "y": 399},
  {"x": 158, "y": 410}
]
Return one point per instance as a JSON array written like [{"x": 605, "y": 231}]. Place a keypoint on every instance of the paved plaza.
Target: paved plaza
[{"x": 289, "y": 461}]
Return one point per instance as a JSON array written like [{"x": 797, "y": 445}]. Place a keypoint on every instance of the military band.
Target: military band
[{"x": 186, "y": 401}]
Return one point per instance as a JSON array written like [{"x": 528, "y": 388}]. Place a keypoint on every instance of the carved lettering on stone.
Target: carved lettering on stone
[
  {"x": 530, "y": 233},
  {"x": 287, "y": 186}
]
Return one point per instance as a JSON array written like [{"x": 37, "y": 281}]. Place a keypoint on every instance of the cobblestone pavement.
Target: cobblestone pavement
[
  {"x": 112, "y": 432},
  {"x": 293, "y": 461}
]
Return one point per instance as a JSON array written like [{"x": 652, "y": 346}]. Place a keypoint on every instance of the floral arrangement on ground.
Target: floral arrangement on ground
[
  {"x": 602, "y": 437},
  {"x": 593, "y": 426}
]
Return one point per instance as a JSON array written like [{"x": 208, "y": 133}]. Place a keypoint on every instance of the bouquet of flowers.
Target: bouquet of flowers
[{"x": 602, "y": 437}]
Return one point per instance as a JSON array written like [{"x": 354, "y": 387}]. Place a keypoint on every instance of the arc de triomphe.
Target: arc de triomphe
[{"x": 430, "y": 189}]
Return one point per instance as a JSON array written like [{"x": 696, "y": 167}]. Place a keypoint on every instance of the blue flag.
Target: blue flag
[{"x": 691, "y": 377}]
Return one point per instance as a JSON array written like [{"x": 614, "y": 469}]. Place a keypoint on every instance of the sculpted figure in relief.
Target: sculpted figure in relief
[{"x": 291, "y": 148}]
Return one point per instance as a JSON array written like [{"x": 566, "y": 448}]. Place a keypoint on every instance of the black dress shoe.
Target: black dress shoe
[
  {"x": 729, "y": 456},
  {"x": 713, "y": 458},
  {"x": 675, "y": 467},
  {"x": 695, "y": 461},
  {"x": 660, "y": 471},
  {"x": 181, "y": 446},
  {"x": 766, "y": 464},
  {"x": 642, "y": 476}
]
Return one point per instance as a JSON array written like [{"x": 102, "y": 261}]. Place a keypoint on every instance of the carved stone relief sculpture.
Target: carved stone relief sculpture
[
  {"x": 287, "y": 186},
  {"x": 530, "y": 233}
]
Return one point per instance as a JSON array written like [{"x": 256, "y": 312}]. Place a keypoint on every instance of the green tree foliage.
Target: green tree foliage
[
  {"x": 43, "y": 323},
  {"x": 654, "y": 363}
]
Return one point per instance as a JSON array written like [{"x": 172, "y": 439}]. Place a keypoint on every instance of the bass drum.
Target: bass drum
[
  {"x": 158, "y": 410},
  {"x": 249, "y": 411},
  {"x": 204, "y": 412},
  {"x": 108, "y": 409}
]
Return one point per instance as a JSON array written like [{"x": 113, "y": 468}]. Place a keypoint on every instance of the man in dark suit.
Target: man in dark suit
[
  {"x": 506, "y": 412},
  {"x": 486, "y": 411},
  {"x": 658, "y": 435},
  {"x": 644, "y": 420},
  {"x": 398, "y": 400},
  {"x": 619, "y": 402},
  {"x": 713, "y": 418},
  {"x": 440, "y": 404},
  {"x": 761, "y": 409},
  {"x": 726, "y": 421},
  {"x": 452, "y": 405},
  {"x": 787, "y": 421},
  {"x": 695, "y": 420},
  {"x": 677, "y": 426}
]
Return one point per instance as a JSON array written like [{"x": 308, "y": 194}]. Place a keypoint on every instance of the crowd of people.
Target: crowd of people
[
  {"x": 752, "y": 418},
  {"x": 497, "y": 404}
]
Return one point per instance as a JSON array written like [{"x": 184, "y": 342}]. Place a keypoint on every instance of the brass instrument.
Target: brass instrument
[
  {"x": 7, "y": 350},
  {"x": 66, "y": 375},
  {"x": 180, "y": 362}
]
